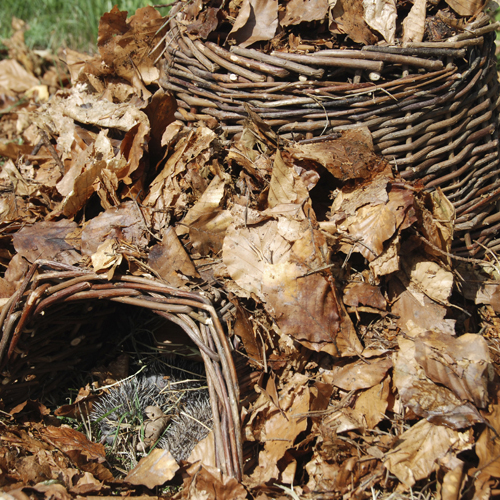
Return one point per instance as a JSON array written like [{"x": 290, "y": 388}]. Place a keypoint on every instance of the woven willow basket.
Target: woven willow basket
[
  {"x": 432, "y": 108},
  {"x": 51, "y": 323}
]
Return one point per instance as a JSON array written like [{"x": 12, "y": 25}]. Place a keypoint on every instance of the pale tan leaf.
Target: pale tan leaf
[
  {"x": 209, "y": 200},
  {"x": 204, "y": 451},
  {"x": 429, "y": 277},
  {"x": 88, "y": 108},
  {"x": 381, "y": 15},
  {"x": 285, "y": 186},
  {"x": 453, "y": 479},
  {"x": 298, "y": 11},
  {"x": 247, "y": 250},
  {"x": 209, "y": 483},
  {"x": 373, "y": 403},
  {"x": 105, "y": 256},
  {"x": 154, "y": 470},
  {"x": 14, "y": 77},
  {"x": 423, "y": 397},
  {"x": 345, "y": 420},
  {"x": 21, "y": 187},
  {"x": 358, "y": 375},
  {"x": 417, "y": 313},
  {"x": 461, "y": 364},
  {"x": 371, "y": 227},
  {"x": 420, "y": 448},
  {"x": 414, "y": 23}
]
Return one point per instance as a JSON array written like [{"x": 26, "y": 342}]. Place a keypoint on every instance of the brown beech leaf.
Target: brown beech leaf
[
  {"x": 14, "y": 77},
  {"x": 46, "y": 240},
  {"x": 30, "y": 406},
  {"x": 67, "y": 439},
  {"x": 298, "y": 11},
  {"x": 154, "y": 470},
  {"x": 160, "y": 112},
  {"x": 204, "y": 452},
  {"x": 483, "y": 485},
  {"x": 488, "y": 444},
  {"x": 420, "y": 448},
  {"x": 20, "y": 185},
  {"x": 437, "y": 218},
  {"x": 6, "y": 288},
  {"x": 82, "y": 189},
  {"x": 169, "y": 257},
  {"x": 205, "y": 23},
  {"x": 85, "y": 483},
  {"x": 80, "y": 408},
  {"x": 262, "y": 261},
  {"x": 166, "y": 191},
  {"x": 373, "y": 402},
  {"x": 208, "y": 483},
  {"x": 418, "y": 313},
  {"x": 453, "y": 480},
  {"x": 121, "y": 223},
  {"x": 461, "y": 364},
  {"x": 297, "y": 300},
  {"x": 358, "y": 375},
  {"x": 347, "y": 16},
  {"x": 75, "y": 62},
  {"x": 107, "y": 256},
  {"x": 125, "y": 46},
  {"x": 374, "y": 224},
  {"x": 53, "y": 491},
  {"x": 281, "y": 428},
  {"x": 205, "y": 221},
  {"x": 257, "y": 20},
  {"x": 423, "y": 397},
  {"x": 356, "y": 294},
  {"x": 208, "y": 231},
  {"x": 244, "y": 329},
  {"x": 286, "y": 186},
  {"x": 345, "y": 420},
  {"x": 13, "y": 151},
  {"x": 349, "y": 157}
]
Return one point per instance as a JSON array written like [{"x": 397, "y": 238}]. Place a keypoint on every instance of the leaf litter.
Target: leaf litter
[{"x": 371, "y": 353}]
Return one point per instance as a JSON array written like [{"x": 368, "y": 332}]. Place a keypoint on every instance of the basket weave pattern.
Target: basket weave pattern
[
  {"x": 432, "y": 108},
  {"x": 46, "y": 305}
]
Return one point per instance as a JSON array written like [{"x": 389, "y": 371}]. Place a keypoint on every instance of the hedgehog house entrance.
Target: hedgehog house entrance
[{"x": 53, "y": 321}]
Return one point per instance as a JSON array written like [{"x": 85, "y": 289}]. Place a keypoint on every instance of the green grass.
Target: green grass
[{"x": 61, "y": 23}]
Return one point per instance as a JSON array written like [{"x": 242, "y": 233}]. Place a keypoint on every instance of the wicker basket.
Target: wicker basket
[
  {"x": 42, "y": 338},
  {"x": 432, "y": 108}
]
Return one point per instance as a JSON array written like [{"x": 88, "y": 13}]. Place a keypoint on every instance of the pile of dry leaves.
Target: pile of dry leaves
[{"x": 373, "y": 350}]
